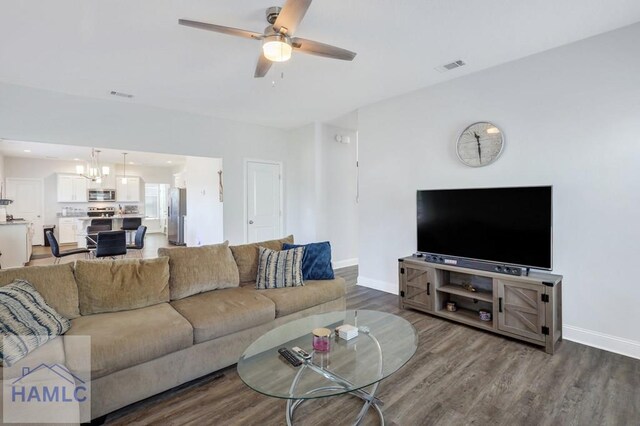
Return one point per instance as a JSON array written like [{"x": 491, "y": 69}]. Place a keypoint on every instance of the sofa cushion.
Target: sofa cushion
[
  {"x": 221, "y": 312},
  {"x": 293, "y": 299},
  {"x": 26, "y": 321},
  {"x": 123, "y": 339},
  {"x": 55, "y": 283},
  {"x": 120, "y": 285},
  {"x": 246, "y": 256},
  {"x": 280, "y": 268},
  {"x": 195, "y": 270},
  {"x": 316, "y": 263}
]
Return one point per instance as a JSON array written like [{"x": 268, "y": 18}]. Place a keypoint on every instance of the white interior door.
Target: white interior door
[
  {"x": 264, "y": 201},
  {"x": 27, "y": 203}
]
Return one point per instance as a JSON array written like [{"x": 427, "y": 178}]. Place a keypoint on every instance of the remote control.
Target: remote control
[
  {"x": 289, "y": 357},
  {"x": 301, "y": 352}
]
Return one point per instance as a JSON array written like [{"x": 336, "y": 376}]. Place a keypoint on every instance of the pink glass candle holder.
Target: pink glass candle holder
[{"x": 321, "y": 339}]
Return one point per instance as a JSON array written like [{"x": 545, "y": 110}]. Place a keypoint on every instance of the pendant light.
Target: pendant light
[
  {"x": 124, "y": 168},
  {"x": 94, "y": 171}
]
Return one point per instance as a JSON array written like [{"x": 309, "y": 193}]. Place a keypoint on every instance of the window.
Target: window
[{"x": 152, "y": 200}]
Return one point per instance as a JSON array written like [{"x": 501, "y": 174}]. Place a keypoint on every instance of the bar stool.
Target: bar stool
[
  {"x": 102, "y": 222},
  {"x": 130, "y": 224}
]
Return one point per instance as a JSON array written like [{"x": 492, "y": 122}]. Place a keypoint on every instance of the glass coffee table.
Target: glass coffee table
[{"x": 385, "y": 342}]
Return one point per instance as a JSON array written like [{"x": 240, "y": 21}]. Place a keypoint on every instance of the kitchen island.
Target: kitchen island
[
  {"x": 16, "y": 241},
  {"x": 82, "y": 222}
]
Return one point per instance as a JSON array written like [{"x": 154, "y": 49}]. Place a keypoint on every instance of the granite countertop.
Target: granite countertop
[
  {"x": 16, "y": 222},
  {"x": 141, "y": 216}
]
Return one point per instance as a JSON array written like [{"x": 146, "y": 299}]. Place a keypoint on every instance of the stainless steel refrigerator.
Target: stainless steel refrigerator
[{"x": 177, "y": 212}]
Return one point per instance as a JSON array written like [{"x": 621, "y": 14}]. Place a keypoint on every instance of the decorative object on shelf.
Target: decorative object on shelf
[
  {"x": 321, "y": 339},
  {"x": 452, "y": 307},
  {"x": 480, "y": 144},
  {"x": 469, "y": 287},
  {"x": 94, "y": 170},
  {"x": 484, "y": 315},
  {"x": 220, "y": 186}
]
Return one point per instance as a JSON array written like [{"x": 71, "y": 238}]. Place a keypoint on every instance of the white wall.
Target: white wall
[
  {"x": 322, "y": 178},
  {"x": 204, "y": 224},
  {"x": 300, "y": 178},
  {"x": 150, "y": 174},
  {"x": 336, "y": 202},
  {"x": 43, "y": 116},
  {"x": 2, "y": 182},
  {"x": 572, "y": 119}
]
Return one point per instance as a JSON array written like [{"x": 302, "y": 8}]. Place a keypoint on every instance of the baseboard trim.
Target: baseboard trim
[
  {"x": 607, "y": 342},
  {"x": 378, "y": 285},
  {"x": 345, "y": 263}
]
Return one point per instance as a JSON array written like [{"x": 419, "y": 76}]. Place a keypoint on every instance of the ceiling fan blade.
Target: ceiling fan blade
[
  {"x": 262, "y": 67},
  {"x": 320, "y": 49},
  {"x": 220, "y": 29},
  {"x": 290, "y": 16}
]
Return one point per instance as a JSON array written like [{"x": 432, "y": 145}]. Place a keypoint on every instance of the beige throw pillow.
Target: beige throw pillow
[
  {"x": 247, "y": 255},
  {"x": 121, "y": 285},
  {"x": 195, "y": 270},
  {"x": 55, "y": 283}
]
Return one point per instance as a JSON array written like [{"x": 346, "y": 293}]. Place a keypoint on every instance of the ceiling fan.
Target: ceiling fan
[{"x": 277, "y": 39}]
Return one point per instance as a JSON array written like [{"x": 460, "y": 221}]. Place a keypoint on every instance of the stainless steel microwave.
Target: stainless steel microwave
[{"x": 102, "y": 195}]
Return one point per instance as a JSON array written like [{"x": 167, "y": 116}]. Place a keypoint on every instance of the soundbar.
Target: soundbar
[{"x": 473, "y": 264}]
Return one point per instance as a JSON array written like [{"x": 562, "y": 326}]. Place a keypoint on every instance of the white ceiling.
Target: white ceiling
[
  {"x": 89, "y": 48},
  {"x": 23, "y": 149}
]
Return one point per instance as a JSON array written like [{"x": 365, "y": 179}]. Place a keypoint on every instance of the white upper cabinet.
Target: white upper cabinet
[
  {"x": 129, "y": 191},
  {"x": 72, "y": 189}
]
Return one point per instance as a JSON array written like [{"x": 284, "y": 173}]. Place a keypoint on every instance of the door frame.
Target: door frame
[
  {"x": 42, "y": 209},
  {"x": 245, "y": 197}
]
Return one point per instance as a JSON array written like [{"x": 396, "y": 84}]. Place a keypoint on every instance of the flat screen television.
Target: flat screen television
[{"x": 499, "y": 225}]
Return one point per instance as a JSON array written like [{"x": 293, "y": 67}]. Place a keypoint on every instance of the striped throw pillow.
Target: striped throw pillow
[
  {"x": 277, "y": 269},
  {"x": 26, "y": 321}
]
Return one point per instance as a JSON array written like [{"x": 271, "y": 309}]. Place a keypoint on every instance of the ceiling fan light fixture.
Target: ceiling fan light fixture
[{"x": 277, "y": 48}]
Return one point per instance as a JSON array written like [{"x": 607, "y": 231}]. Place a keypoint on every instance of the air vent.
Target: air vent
[
  {"x": 451, "y": 66},
  {"x": 121, "y": 94}
]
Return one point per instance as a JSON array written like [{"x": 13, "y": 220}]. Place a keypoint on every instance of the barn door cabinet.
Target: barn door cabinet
[{"x": 527, "y": 308}]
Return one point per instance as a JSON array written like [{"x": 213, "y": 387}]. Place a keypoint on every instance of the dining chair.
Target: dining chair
[
  {"x": 131, "y": 224},
  {"x": 101, "y": 222},
  {"x": 138, "y": 244},
  {"x": 92, "y": 234},
  {"x": 111, "y": 244},
  {"x": 55, "y": 249}
]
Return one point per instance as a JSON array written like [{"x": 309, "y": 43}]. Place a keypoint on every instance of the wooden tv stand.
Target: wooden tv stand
[{"x": 527, "y": 308}]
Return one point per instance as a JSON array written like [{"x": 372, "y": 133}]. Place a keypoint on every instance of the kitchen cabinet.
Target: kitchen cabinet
[
  {"x": 67, "y": 230},
  {"x": 16, "y": 239},
  {"x": 130, "y": 191},
  {"x": 72, "y": 189}
]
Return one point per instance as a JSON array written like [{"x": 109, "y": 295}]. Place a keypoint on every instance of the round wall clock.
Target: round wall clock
[{"x": 480, "y": 144}]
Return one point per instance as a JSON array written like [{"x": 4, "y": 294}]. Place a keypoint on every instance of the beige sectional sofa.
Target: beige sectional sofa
[{"x": 158, "y": 323}]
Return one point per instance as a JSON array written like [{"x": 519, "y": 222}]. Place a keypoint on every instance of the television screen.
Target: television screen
[{"x": 502, "y": 225}]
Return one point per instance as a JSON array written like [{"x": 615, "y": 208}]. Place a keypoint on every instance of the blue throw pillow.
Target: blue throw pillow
[{"x": 316, "y": 261}]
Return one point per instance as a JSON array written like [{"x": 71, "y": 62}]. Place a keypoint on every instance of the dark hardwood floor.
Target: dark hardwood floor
[{"x": 458, "y": 376}]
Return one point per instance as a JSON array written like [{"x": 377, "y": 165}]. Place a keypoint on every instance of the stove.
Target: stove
[{"x": 101, "y": 211}]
